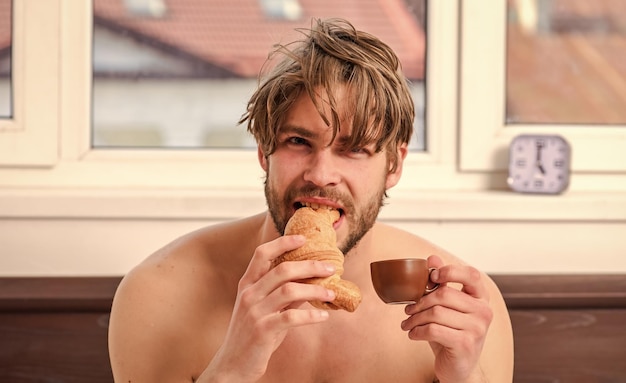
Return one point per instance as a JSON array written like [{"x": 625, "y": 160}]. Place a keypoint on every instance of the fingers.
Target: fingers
[
  {"x": 430, "y": 325},
  {"x": 280, "y": 287},
  {"x": 261, "y": 261},
  {"x": 451, "y": 317},
  {"x": 279, "y": 277},
  {"x": 468, "y": 276},
  {"x": 435, "y": 262},
  {"x": 472, "y": 295},
  {"x": 451, "y": 308},
  {"x": 272, "y": 290},
  {"x": 444, "y": 296},
  {"x": 278, "y": 311},
  {"x": 289, "y": 296}
]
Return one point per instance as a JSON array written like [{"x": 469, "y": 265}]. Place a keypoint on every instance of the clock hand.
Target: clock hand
[
  {"x": 539, "y": 164},
  {"x": 541, "y": 169}
]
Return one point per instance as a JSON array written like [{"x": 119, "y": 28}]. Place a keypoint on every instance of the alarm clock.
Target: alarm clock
[{"x": 539, "y": 164}]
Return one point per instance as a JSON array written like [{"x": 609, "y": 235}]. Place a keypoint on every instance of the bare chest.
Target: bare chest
[{"x": 352, "y": 348}]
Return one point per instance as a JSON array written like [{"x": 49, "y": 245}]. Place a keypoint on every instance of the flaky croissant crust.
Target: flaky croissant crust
[{"x": 321, "y": 244}]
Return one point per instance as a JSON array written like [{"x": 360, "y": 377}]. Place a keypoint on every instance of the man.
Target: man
[{"x": 332, "y": 121}]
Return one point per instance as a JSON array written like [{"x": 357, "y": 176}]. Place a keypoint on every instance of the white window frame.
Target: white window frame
[
  {"x": 30, "y": 137},
  {"x": 48, "y": 168},
  {"x": 598, "y": 148}
]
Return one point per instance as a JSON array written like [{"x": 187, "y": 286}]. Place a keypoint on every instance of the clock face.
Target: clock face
[{"x": 539, "y": 164}]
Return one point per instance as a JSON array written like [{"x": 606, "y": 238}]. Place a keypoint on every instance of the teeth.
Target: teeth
[{"x": 316, "y": 206}]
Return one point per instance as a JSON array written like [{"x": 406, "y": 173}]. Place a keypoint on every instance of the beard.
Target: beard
[{"x": 359, "y": 221}]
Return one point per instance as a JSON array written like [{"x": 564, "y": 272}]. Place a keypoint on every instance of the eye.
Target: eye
[
  {"x": 295, "y": 140},
  {"x": 359, "y": 151}
]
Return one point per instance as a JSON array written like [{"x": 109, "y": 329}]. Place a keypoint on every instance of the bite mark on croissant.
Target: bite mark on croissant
[{"x": 321, "y": 244}]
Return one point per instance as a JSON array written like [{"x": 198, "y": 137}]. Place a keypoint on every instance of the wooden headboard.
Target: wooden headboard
[{"x": 568, "y": 328}]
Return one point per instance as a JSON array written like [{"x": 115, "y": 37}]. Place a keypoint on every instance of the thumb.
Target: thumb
[{"x": 435, "y": 262}]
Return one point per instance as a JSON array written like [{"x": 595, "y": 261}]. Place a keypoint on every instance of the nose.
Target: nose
[{"x": 322, "y": 169}]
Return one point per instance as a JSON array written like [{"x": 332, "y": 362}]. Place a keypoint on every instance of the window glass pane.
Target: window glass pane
[
  {"x": 5, "y": 59},
  {"x": 566, "y": 61},
  {"x": 178, "y": 74}
]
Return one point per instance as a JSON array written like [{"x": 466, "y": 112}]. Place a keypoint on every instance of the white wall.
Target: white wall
[{"x": 66, "y": 241}]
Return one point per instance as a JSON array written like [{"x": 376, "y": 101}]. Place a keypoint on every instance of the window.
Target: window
[
  {"x": 178, "y": 74},
  {"x": 282, "y": 9},
  {"x": 490, "y": 117},
  {"x": 48, "y": 141},
  {"x": 32, "y": 140},
  {"x": 5, "y": 59},
  {"x": 566, "y": 62}
]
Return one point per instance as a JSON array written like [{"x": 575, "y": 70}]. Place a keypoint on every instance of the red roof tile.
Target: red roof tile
[
  {"x": 576, "y": 77},
  {"x": 236, "y": 35},
  {"x": 5, "y": 23}
]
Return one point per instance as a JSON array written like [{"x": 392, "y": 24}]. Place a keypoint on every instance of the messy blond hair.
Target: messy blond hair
[{"x": 333, "y": 54}]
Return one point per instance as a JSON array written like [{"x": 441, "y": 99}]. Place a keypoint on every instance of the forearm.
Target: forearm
[
  {"x": 209, "y": 376},
  {"x": 476, "y": 376},
  {"x": 219, "y": 374}
]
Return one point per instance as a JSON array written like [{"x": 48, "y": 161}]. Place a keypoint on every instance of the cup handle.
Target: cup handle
[{"x": 435, "y": 285}]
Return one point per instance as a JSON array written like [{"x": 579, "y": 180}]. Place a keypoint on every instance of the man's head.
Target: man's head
[
  {"x": 333, "y": 54},
  {"x": 332, "y": 120}
]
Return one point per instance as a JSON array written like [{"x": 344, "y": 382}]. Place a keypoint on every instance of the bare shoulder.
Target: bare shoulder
[
  {"x": 192, "y": 266},
  {"x": 399, "y": 243},
  {"x": 170, "y": 312}
]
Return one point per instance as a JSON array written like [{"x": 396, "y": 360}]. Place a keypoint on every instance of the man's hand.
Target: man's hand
[
  {"x": 267, "y": 306},
  {"x": 453, "y": 321}
]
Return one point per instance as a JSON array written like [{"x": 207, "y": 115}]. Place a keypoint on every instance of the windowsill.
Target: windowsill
[
  {"x": 228, "y": 204},
  {"x": 507, "y": 206}
]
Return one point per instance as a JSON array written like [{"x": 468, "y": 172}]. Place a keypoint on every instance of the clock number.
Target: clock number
[{"x": 558, "y": 163}]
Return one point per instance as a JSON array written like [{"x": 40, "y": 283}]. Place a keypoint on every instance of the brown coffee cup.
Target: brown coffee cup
[{"x": 402, "y": 281}]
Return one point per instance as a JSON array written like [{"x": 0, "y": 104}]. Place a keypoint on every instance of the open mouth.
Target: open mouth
[{"x": 316, "y": 206}]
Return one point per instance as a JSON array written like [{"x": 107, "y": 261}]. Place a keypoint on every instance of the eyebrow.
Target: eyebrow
[
  {"x": 341, "y": 140},
  {"x": 286, "y": 129}
]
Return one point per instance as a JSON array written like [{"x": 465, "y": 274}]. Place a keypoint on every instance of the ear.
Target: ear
[
  {"x": 394, "y": 177},
  {"x": 262, "y": 159}
]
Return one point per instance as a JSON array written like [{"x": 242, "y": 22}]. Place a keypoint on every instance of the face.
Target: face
[{"x": 307, "y": 168}]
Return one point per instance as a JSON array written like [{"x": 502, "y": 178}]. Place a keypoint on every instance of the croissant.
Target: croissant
[{"x": 317, "y": 226}]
